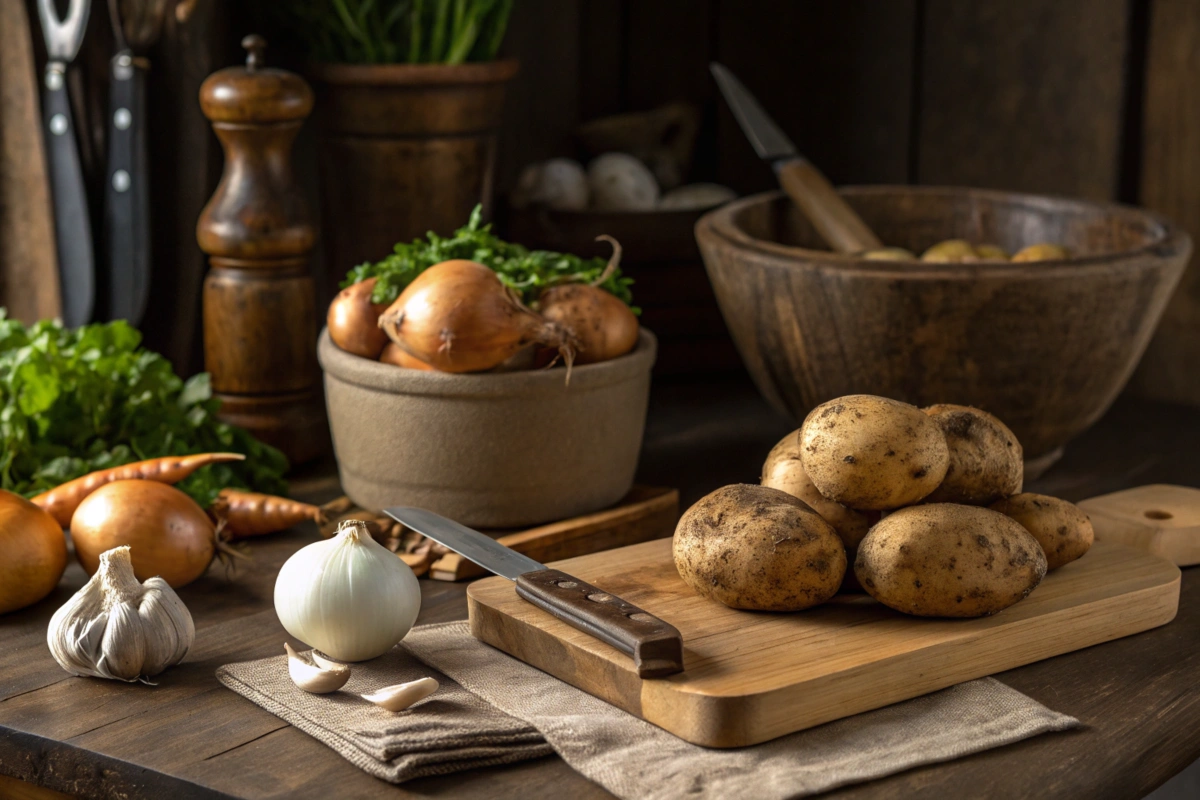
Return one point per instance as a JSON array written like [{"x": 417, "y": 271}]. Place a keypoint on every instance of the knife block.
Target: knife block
[{"x": 259, "y": 300}]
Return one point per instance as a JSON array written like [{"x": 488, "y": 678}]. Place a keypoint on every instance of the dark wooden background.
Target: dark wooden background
[{"x": 1091, "y": 98}]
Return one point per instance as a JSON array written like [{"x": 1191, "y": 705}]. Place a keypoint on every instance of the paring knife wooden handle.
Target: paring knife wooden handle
[
  {"x": 837, "y": 223},
  {"x": 656, "y": 646}
]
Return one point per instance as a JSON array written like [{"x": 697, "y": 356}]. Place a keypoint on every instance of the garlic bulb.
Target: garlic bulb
[
  {"x": 349, "y": 597},
  {"x": 115, "y": 627}
]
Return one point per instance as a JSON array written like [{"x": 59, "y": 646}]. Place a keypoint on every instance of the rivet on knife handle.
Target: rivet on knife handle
[{"x": 656, "y": 646}]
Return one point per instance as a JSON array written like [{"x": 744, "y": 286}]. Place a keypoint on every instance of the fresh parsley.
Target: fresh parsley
[
  {"x": 74, "y": 401},
  {"x": 529, "y": 272}
]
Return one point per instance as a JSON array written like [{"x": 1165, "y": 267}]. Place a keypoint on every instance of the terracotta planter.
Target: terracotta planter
[
  {"x": 1045, "y": 346},
  {"x": 404, "y": 149},
  {"x": 492, "y": 450}
]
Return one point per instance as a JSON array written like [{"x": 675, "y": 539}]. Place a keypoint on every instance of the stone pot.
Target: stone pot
[{"x": 488, "y": 450}]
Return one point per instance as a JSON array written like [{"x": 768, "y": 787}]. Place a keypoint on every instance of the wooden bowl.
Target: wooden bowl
[{"x": 1045, "y": 346}]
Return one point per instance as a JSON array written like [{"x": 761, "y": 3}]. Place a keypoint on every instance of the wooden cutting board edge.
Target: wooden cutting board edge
[{"x": 740, "y": 720}]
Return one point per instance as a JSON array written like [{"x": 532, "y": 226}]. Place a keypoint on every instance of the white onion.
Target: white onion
[{"x": 349, "y": 597}]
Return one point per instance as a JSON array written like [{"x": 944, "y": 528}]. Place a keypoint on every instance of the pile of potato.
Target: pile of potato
[
  {"x": 920, "y": 508},
  {"x": 953, "y": 251}
]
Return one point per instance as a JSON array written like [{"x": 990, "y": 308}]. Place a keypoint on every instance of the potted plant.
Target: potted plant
[{"x": 409, "y": 103}]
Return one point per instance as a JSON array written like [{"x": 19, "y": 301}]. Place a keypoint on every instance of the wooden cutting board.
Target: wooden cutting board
[
  {"x": 749, "y": 677},
  {"x": 1160, "y": 519}
]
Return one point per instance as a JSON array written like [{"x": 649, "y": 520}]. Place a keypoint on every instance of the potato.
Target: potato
[
  {"x": 888, "y": 254},
  {"x": 760, "y": 549},
  {"x": 1061, "y": 528},
  {"x": 986, "y": 460},
  {"x": 783, "y": 471},
  {"x": 871, "y": 453},
  {"x": 1043, "y": 251},
  {"x": 991, "y": 252},
  {"x": 949, "y": 560},
  {"x": 951, "y": 250}
]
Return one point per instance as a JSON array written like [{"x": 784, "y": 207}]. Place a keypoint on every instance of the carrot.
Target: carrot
[
  {"x": 251, "y": 514},
  {"x": 61, "y": 501}
]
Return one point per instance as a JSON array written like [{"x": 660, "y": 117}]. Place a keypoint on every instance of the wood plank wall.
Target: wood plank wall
[{"x": 1091, "y": 98}]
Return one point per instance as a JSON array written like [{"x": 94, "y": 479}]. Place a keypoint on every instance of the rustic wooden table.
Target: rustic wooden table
[{"x": 190, "y": 737}]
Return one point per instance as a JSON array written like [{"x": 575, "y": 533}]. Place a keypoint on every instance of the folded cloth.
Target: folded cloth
[
  {"x": 627, "y": 756},
  {"x": 450, "y": 731}
]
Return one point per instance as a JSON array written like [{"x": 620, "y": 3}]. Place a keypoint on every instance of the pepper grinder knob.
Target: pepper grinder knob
[{"x": 256, "y": 48}]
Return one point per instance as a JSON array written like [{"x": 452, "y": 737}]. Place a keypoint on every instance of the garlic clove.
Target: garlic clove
[
  {"x": 314, "y": 679},
  {"x": 402, "y": 695},
  {"x": 324, "y": 662}
]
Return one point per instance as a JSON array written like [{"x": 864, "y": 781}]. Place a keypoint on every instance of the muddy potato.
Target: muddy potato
[
  {"x": 986, "y": 460},
  {"x": 1061, "y": 528},
  {"x": 871, "y": 453},
  {"x": 783, "y": 471},
  {"x": 949, "y": 560},
  {"x": 760, "y": 549}
]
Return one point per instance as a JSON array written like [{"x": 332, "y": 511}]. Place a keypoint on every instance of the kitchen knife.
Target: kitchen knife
[
  {"x": 126, "y": 195},
  {"x": 837, "y": 223},
  {"x": 656, "y": 646},
  {"x": 72, "y": 222}
]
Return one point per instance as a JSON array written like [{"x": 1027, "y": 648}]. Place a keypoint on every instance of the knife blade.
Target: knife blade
[
  {"x": 655, "y": 646},
  {"x": 834, "y": 220}
]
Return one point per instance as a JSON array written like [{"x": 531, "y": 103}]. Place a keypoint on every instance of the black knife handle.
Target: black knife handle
[
  {"x": 72, "y": 222},
  {"x": 126, "y": 197},
  {"x": 656, "y": 646}
]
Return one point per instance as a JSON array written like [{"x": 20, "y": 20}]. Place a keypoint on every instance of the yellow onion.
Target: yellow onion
[
  {"x": 33, "y": 552},
  {"x": 457, "y": 316},
  {"x": 601, "y": 325},
  {"x": 353, "y": 320},
  {"x": 169, "y": 535}
]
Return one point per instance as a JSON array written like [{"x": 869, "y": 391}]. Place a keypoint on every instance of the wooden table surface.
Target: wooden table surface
[{"x": 190, "y": 737}]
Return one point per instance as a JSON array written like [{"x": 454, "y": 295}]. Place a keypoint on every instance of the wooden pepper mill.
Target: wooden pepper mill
[{"x": 259, "y": 316}]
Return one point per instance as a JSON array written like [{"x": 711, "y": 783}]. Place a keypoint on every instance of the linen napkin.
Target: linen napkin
[{"x": 497, "y": 710}]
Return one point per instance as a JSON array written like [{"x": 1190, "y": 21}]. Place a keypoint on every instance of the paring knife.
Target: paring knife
[
  {"x": 656, "y": 646},
  {"x": 837, "y": 223},
  {"x": 72, "y": 222}
]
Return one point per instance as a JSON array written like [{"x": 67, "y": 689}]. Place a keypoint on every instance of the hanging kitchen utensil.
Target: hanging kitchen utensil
[
  {"x": 837, "y": 223},
  {"x": 136, "y": 25},
  {"x": 72, "y": 222}
]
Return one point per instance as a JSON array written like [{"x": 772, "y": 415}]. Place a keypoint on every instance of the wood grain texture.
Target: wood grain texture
[
  {"x": 260, "y": 321},
  {"x": 1134, "y": 695},
  {"x": 1162, "y": 520},
  {"x": 1023, "y": 95},
  {"x": 749, "y": 678},
  {"x": 28, "y": 267},
  {"x": 837, "y": 223},
  {"x": 646, "y": 513},
  {"x": 1022, "y": 341},
  {"x": 1170, "y": 184}
]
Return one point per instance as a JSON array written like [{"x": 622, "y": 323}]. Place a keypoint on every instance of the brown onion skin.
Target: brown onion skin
[
  {"x": 33, "y": 552},
  {"x": 353, "y": 320},
  {"x": 603, "y": 326},
  {"x": 167, "y": 533},
  {"x": 457, "y": 316},
  {"x": 394, "y": 354}
]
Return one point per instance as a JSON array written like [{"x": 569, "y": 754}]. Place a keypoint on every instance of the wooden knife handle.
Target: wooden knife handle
[
  {"x": 656, "y": 646},
  {"x": 839, "y": 226}
]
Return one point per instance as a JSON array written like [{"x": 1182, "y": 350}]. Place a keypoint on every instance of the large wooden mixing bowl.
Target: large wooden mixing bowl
[{"x": 1045, "y": 346}]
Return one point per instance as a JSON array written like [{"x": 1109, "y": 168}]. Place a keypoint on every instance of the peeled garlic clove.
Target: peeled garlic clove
[
  {"x": 402, "y": 695},
  {"x": 314, "y": 679},
  {"x": 326, "y": 663}
]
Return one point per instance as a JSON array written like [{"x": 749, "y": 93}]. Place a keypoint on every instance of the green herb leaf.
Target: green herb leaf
[
  {"x": 74, "y": 401},
  {"x": 528, "y": 272}
]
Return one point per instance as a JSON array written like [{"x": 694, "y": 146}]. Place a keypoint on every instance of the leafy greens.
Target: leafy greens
[
  {"x": 528, "y": 272},
  {"x": 74, "y": 401}
]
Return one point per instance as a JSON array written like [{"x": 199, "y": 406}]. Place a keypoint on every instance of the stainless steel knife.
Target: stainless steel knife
[
  {"x": 837, "y": 223},
  {"x": 72, "y": 221},
  {"x": 656, "y": 646}
]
